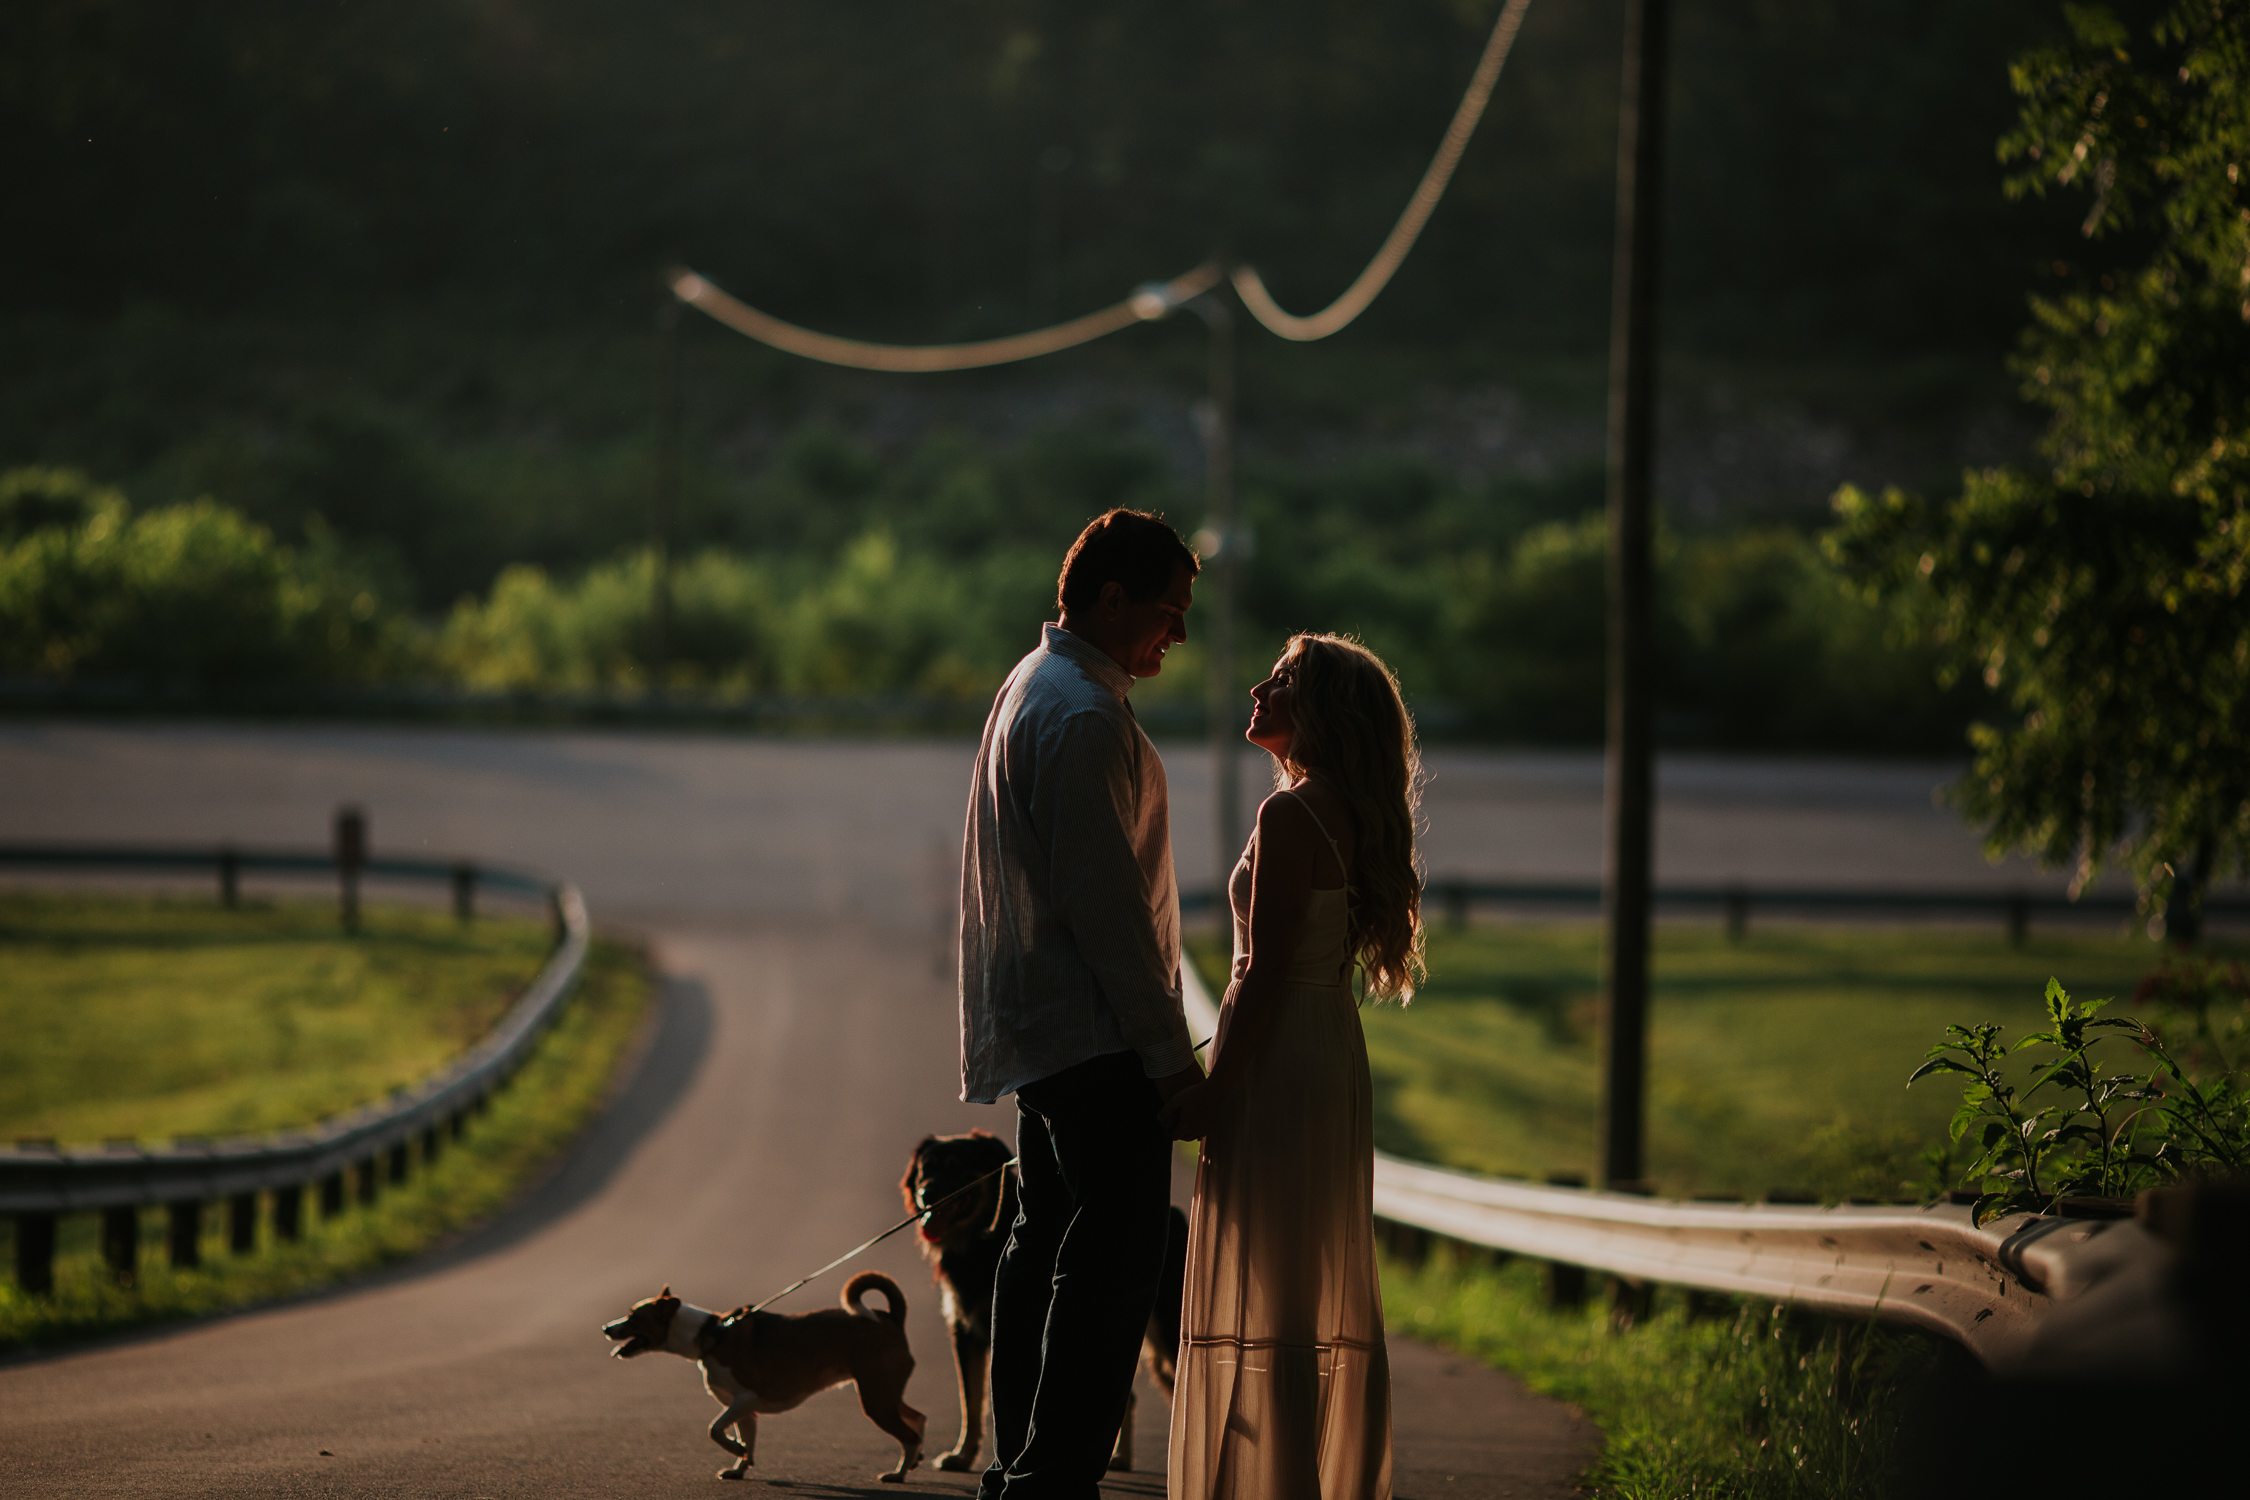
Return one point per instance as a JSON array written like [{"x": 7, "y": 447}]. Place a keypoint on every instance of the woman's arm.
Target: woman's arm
[{"x": 1281, "y": 883}]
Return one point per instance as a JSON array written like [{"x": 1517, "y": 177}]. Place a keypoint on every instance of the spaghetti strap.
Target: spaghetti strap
[{"x": 1291, "y": 793}]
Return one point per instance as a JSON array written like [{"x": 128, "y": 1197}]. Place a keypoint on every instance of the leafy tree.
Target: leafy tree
[{"x": 2103, "y": 595}]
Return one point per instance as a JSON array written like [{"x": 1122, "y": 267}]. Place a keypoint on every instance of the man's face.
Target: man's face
[{"x": 1142, "y": 631}]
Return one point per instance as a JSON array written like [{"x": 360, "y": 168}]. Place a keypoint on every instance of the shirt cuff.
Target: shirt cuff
[{"x": 1174, "y": 1054}]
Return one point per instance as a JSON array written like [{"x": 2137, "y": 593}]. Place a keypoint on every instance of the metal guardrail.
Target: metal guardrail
[
  {"x": 1933, "y": 1268},
  {"x": 40, "y": 1180},
  {"x": 1736, "y": 901}
]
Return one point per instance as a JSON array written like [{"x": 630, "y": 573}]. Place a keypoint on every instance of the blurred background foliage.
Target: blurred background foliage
[{"x": 378, "y": 281}]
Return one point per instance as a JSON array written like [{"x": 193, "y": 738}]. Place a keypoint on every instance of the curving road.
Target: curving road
[{"x": 794, "y": 894}]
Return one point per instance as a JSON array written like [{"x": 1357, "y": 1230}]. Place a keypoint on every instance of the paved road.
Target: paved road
[
  {"x": 804, "y": 1041},
  {"x": 664, "y": 828}
]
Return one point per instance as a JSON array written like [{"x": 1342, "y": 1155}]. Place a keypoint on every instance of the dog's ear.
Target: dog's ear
[
  {"x": 914, "y": 1168},
  {"x": 667, "y": 1292}
]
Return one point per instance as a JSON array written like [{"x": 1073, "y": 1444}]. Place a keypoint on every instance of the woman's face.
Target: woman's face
[{"x": 1273, "y": 715}]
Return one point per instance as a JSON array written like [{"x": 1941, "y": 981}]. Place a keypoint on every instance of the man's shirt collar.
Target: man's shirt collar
[{"x": 1097, "y": 663}]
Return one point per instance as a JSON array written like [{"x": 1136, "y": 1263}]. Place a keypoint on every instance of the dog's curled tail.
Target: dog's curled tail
[{"x": 875, "y": 1281}]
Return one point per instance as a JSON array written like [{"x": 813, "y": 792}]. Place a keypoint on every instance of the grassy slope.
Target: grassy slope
[
  {"x": 1779, "y": 1063},
  {"x": 1744, "y": 1404},
  {"x": 156, "y": 1018},
  {"x": 551, "y": 1098}
]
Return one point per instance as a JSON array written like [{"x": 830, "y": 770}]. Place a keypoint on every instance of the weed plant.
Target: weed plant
[
  {"x": 2076, "y": 1127},
  {"x": 1752, "y": 1404},
  {"x": 553, "y": 1095}
]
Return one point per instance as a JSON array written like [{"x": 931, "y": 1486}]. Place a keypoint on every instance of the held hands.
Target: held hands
[{"x": 1190, "y": 1114}]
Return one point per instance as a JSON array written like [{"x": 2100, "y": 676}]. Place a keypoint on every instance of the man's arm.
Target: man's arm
[{"x": 1082, "y": 802}]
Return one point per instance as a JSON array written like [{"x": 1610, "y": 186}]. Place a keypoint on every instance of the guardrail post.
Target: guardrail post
[
  {"x": 400, "y": 1154},
  {"x": 288, "y": 1213},
  {"x": 332, "y": 1195},
  {"x": 464, "y": 891},
  {"x": 368, "y": 1176},
  {"x": 121, "y": 1243},
  {"x": 1566, "y": 1285},
  {"x": 1738, "y": 913},
  {"x": 1457, "y": 906},
  {"x": 230, "y": 877},
  {"x": 430, "y": 1146},
  {"x": 1630, "y": 1302},
  {"x": 351, "y": 857},
  {"x": 35, "y": 1253},
  {"x": 242, "y": 1223},
  {"x": 183, "y": 1233},
  {"x": 184, "y": 1237},
  {"x": 2019, "y": 918}
]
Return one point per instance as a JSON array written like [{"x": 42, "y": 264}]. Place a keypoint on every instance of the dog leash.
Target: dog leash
[
  {"x": 921, "y": 1213},
  {"x": 918, "y": 1214}
]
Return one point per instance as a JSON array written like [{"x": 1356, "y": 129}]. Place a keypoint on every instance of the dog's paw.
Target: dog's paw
[
  {"x": 737, "y": 1471},
  {"x": 959, "y": 1461}
]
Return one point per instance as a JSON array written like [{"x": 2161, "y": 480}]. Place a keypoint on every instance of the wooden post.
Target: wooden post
[
  {"x": 332, "y": 1195},
  {"x": 661, "y": 502},
  {"x": 351, "y": 858},
  {"x": 35, "y": 1254},
  {"x": 464, "y": 891},
  {"x": 1738, "y": 913},
  {"x": 401, "y": 1156},
  {"x": 2019, "y": 918},
  {"x": 1225, "y": 546},
  {"x": 230, "y": 877},
  {"x": 1629, "y": 781},
  {"x": 370, "y": 1176}
]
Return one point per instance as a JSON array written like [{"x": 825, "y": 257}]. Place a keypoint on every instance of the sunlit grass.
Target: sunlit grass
[
  {"x": 1776, "y": 1063},
  {"x": 552, "y": 1096},
  {"x": 152, "y": 1018},
  {"x": 1745, "y": 1403}
]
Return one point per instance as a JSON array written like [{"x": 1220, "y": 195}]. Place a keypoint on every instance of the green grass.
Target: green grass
[
  {"x": 1749, "y": 1403},
  {"x": 556, "y": 1092},
  {"x": 154, "y": 1018},
  {"x": 1779, "y": 1063}
]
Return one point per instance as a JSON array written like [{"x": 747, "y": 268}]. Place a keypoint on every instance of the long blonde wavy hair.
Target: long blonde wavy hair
[{"x": 1352, "y": 728}]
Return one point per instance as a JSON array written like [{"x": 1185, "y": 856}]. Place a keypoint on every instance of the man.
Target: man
[{"x": 1070, "y": 1000}]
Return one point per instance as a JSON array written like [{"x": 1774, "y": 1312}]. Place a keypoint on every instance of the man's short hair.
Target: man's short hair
[{"x": 1129, "y": 547}]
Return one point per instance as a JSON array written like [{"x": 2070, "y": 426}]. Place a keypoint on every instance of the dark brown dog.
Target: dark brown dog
[
  {"x": 962, "y": 1240},
  {"x": 770, "y": 1362}
]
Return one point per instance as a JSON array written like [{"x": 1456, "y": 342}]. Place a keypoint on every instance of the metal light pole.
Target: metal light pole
[
  {"x": 667, "y": 482},
  {"x": 1629, "y": 780},
  {"x": 1227, "y": 547}
]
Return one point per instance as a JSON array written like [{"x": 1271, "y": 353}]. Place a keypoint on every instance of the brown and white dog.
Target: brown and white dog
[
  {"x": 757, "y": 1362},
  {"x": 962, "y": 1240}
]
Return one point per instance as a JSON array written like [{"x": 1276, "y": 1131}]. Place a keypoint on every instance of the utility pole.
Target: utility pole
[
  {"x": 667, "y": 484},
  {"x": 1227, "y": 546},
  {"x": 1629, "y": 780}
]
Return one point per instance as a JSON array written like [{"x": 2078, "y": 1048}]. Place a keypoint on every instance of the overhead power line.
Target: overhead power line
[
  {"x": 1155, "y": 299},
  {"x": 1152, "y": 301},
  {"x": 1252, "y": 288}
]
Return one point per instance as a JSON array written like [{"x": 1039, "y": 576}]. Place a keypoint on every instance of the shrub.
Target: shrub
[{"x": 189, "y": 596}]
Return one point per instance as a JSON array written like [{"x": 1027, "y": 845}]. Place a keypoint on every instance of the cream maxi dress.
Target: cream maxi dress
[{"x": 1284, "y": 1390}]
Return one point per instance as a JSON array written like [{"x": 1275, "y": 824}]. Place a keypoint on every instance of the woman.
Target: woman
[{"x": 1284, "y": 1389}]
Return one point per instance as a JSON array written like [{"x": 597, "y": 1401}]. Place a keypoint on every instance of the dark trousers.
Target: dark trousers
[{"x": 1078, "y": 1278}]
